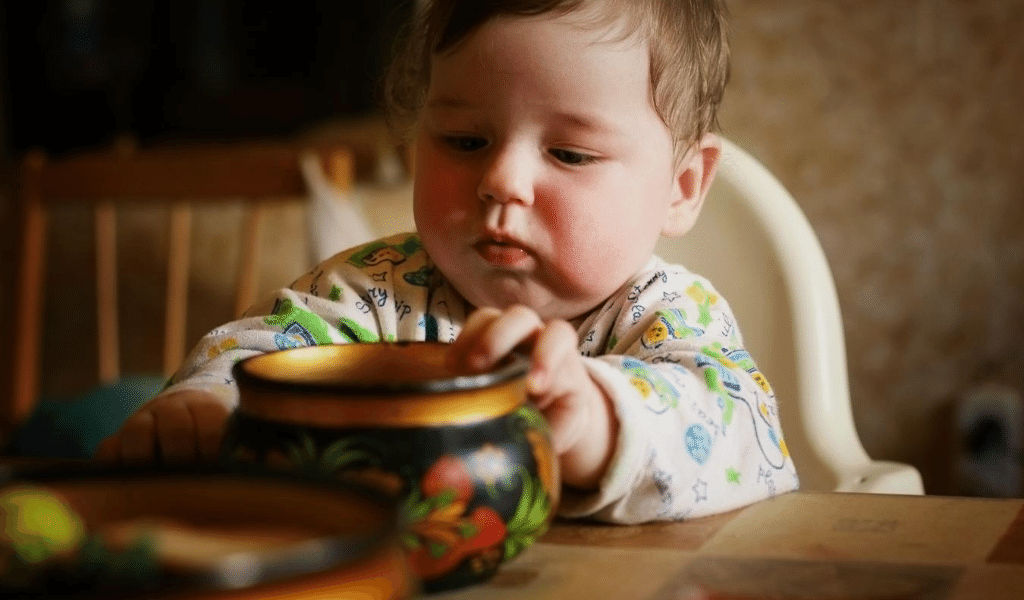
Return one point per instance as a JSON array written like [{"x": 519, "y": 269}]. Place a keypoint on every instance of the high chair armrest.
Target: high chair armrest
[{"x": 883, "y": 477}]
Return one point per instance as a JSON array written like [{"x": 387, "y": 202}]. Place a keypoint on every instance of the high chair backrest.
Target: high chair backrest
[
  {"x": 256, "y": 175},
  {"x": 756, "y": 246}
]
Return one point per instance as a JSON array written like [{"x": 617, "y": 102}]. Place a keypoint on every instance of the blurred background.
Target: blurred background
[{"x": 896, "y": 125}]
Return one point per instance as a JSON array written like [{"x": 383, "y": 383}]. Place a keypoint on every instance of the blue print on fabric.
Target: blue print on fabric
[
  {"x": 698, "y": 443},
  {"x": 284, "y": 342}
]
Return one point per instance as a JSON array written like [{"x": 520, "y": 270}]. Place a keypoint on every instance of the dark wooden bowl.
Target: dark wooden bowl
[{"x": 207, "y": 533}]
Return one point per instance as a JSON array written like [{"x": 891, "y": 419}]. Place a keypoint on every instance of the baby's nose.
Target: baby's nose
[{"x": 508, "y": 177}]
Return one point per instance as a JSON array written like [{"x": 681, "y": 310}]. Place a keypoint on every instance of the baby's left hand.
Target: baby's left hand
[{"x": 583, "y": 422}]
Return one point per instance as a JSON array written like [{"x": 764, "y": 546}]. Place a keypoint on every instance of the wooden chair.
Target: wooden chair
[{"x": 181, "y": 179}]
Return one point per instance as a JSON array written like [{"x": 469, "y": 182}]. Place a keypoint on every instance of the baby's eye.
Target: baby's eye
[
  {"x": 571, "y": 158},
  {"x": 464, "y": 143}
]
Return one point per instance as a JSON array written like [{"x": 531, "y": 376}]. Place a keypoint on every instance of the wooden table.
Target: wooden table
[{"x": 801, "y": 545}]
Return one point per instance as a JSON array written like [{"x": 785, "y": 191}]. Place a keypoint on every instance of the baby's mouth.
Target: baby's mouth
[{"x": 501, "y": 252}]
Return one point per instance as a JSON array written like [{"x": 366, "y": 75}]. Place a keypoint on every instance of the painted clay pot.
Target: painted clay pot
[{"x": 468, "y": 457}]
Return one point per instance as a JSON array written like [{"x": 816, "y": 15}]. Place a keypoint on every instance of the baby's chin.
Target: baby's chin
[{"x": 548, "y": 306}]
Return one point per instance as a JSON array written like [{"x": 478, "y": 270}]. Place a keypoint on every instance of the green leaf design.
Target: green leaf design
[
  {"x": 415, "y": 510},
  {"x": 308, "y": 446},
  {"x": 524, "y": 504},
  {"x": 446, "y": 497},
  {"x": 468, "y": 530},
  {"x": 410, "y": 541},
  {"x": 538, "y": 513},
  {"x": 532, "y": 418},
  {"x": 437, "y": 550},
  {"x": 303, "y": 453},
  {"x": 295, "y": 454},
  {"x": 530, "y": 519},
  {"x": 340, "y": 454},
  {"x": 511, "y": 548}
]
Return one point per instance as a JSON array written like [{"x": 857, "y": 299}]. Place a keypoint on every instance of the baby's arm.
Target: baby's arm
[
  {"x": 583, "y": 423},
  {"x": 177, "y": 427},
  {"x": 354, "y": 296},
  {"x": 699, "y": 430}
]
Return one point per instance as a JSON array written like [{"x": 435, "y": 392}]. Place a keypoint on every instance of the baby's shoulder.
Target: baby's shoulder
[
  {"x": 393, "y": 262},
  {"x": 387, "y": 252},
  {"x": 664, "y": 282}
]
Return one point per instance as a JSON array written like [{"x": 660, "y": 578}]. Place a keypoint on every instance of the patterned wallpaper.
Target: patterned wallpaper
[{"x": 898, "y": 128}]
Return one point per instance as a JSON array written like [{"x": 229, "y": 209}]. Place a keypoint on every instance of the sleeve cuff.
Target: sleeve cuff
[{"x": 631, "y": 449}]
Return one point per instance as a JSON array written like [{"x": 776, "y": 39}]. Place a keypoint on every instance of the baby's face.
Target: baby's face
[{"x": 543, "y": 172}]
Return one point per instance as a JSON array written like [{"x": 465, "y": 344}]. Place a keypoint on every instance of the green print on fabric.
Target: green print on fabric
[
  {"x": 738, "y": 358},
  {"x": 725, "y": 401},
  {"x": 704, "y": 299},
  {"x": 294, "y": 320},
  {"x": 354, "y": 332},
  {"x": 732, "y": 475},
  {"x": 668, "y": 325},
  {"x": 335, "y": 294},
  {"x": 420, "y": 276},
  {"x": 381, "y": 251},
  {"x": 718, "y": 378}
]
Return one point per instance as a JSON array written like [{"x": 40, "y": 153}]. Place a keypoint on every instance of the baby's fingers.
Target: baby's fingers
[
  {"x": 555, "y": 368},
  {"x": 109, "y": 449},
  {"x": 476, "y": 324},
  {"x": 176, "y": 431},
  {"x": 137, "y": 438},
  {"x": 209, "y": 418},
  {"x": 567, "y": 423},
  {"x": 493, "y": 335}
]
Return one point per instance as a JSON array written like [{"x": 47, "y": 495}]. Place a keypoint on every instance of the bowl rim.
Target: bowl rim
[
  {"x": 242, "y": 569},
  {"x": 515, "y": 365}
]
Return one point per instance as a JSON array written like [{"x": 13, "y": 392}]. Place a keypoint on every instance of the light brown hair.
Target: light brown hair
[{"x": 689, "y": 53}]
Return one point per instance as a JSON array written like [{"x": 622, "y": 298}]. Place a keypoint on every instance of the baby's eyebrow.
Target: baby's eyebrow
[{"x": 588, "y": 122}]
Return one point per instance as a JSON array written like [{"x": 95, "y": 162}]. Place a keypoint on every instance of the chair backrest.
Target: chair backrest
[
  {"x": 756, "y": 246},
  {"x": 182, "y": 179}
]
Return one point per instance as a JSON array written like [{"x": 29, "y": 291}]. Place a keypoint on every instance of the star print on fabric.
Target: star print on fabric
[
  {"x": 732, "y": 475},
  {"x": 670, "y": 296},
  {"x": 700, "y": 490},
  {"x": 663, "y": 483}
]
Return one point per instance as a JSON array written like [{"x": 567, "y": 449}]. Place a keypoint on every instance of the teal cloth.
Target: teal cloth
[{"x": 73, "y": 427}]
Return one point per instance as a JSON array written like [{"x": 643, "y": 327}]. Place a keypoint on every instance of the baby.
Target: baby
[{"x": 555, "y": 141}]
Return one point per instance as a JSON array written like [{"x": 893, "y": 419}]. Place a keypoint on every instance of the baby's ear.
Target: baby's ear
[{"x": 693, "y": 179}]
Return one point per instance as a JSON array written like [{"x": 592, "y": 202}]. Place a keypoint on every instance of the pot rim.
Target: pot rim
[{"x": 515, "y": 365}]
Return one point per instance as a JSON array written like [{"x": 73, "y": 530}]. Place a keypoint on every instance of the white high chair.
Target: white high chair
[{"x": 756, "y": 246}]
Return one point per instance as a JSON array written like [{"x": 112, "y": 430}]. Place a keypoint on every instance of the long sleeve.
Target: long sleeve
[
  {"x": 386, "y": 290},
  {"x": 699, "y": 429}
]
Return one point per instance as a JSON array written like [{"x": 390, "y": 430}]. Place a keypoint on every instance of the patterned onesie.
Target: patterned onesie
[{"x": 699, "y": 429}]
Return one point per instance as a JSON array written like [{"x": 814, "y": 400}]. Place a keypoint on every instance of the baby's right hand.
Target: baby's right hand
[{"x": 177, "y": 427}]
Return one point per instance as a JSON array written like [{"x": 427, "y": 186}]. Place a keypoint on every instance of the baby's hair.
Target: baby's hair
[{"x": 689, "y": 53}]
